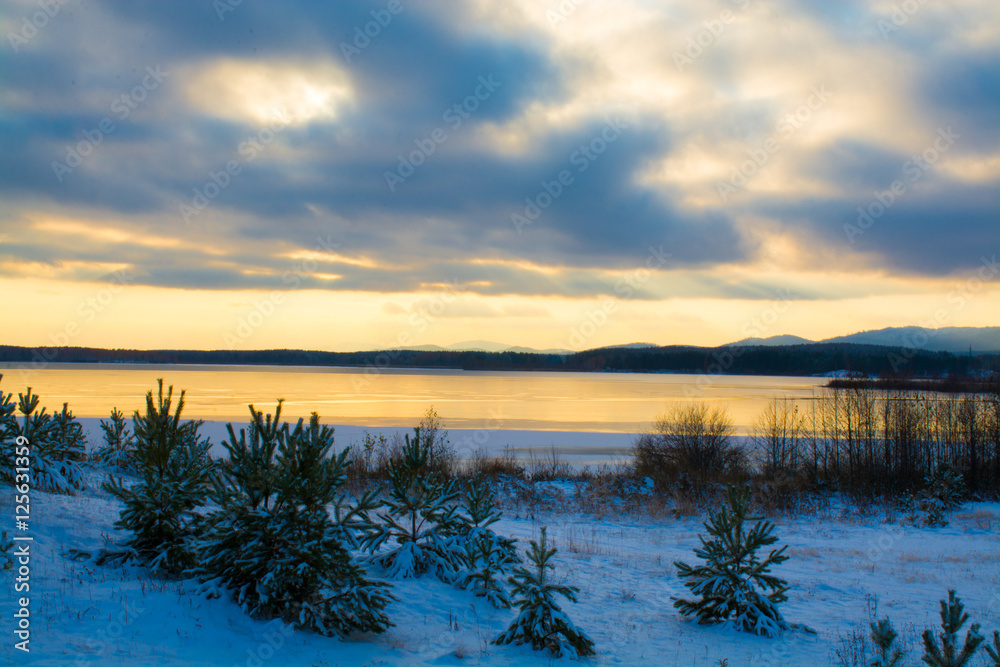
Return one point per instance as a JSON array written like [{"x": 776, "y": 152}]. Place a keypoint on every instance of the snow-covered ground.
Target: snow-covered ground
[{"x": 841, "y": 562}]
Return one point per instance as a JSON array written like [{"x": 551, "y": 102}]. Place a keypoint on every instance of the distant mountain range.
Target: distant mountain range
[
  {"x": 484, "y": 346},
  {"x": 947, "y": 339},
  {"x": 772, "y": 341}
]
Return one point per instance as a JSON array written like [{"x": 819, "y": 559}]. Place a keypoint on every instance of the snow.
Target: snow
[{"x": 841, "y": 559}]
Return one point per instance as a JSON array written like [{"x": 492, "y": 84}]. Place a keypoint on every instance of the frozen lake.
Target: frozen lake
[{"x": 593, "y": 402}]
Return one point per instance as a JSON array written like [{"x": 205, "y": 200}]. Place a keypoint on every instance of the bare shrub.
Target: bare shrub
[
  {"x": 776, "y": 438},
  {"x": 548, "y": 466},
  {"x": 443, "y": 458},
  {"x": 692, "y": 446},
  {"x": 494, "y": 465}
]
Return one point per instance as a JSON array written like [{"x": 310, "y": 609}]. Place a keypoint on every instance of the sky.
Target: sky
[{"x": 349, "y": 176}]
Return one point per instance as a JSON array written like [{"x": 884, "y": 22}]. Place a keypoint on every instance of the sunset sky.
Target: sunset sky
[{"x": 267, "y": 175}]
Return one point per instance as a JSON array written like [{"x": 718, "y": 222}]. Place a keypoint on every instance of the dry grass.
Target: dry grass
[
  {"x": 578, "y": 542},
  {"x": 970, "y": 557},
  {"x": 810, "y": 552},
  {"x": 918, "y": 576},
  {"x": 982, "y": 519}
]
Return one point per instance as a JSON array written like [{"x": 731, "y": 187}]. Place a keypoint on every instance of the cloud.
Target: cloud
[{"x": 678, "y": 131}]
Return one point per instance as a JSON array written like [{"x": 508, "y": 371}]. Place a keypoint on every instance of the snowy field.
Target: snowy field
[{"x": 842, "y": 562}]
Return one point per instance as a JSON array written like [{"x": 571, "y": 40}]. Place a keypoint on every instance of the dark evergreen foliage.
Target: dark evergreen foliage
[
  {"x": 994, "y": 651},
  {"x": 540, "y": 621},
  {"x": 8, "y": 433},
  {"x": 118, "y": 448},
  {"x": 56, "y": 443},
  {"x": 174, "y": 468},
  {"x": 733, "y": 582},
  {"x": 273, "y": 542},
  {"x": 6, "y": 544},
  {"x": 66, "y": 436},
  {"x": 487, "y": 555},
  {"x": 801, "y": 360},
  {"x": 884, "y": 636},
  {"x": 953, "y": 617},
  {"x": 943, "y": 492},
  {"x": 422, "y": 518}
]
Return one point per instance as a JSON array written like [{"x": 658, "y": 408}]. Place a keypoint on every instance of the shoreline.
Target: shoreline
[{"x": 578, "y": 448}]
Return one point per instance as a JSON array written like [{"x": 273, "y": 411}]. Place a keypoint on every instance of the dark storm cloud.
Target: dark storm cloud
[
  {"x": 964, "y": 90},
  {"x": 322, "y": 179}
]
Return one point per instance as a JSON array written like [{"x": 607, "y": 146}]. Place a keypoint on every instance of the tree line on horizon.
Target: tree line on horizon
[{"x": 801, "y": 360}]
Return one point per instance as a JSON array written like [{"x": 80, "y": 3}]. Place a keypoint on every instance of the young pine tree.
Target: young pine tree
[
  {"x": 943, "y": 492},
  {"x": 541, "y": 622},
  {"x": 884, "y": 636},
  {"x": 953, "y": 617},
  {"x": 175, "y": 470},
  {"x": 994, "y": 651},
  {"x": 422, "y": 518},
  {"x": 56, "y": 445},
  {"x": 68, "y": 442},
  {"x": 733, "y": 582},
  {"x": 7, "y": 560},
  {"x": 8, "y": 434},
  {"x": 118, "y": 449},
  {"x": 273, "y": 542},
  {"x": 486, "y": 553}
]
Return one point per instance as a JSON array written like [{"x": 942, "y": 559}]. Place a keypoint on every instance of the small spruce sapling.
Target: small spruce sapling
[
  {"x": 884, "y": 636},
  {"x": 274, "y": 544},
  {"x": 56, "y": 445},
  {"x": 175, "y": 472},
  {"x": 422, "y": 518},
  {"x": 8, "y": 434},
  {"x": 953, "y": 617},
  {"x": 118, "y": 449},
  {"x": 541, "y": 622},
  {"x": 36, "y": 424},
  {"x": 486, "y": 553},
  {"x": 994, "y": 651},
  {"x": 68, "y": 441},
  {"x": 943, "y": 492},
  {"x": 5, "y": 556},
  {"x": 733, "y": 582}
]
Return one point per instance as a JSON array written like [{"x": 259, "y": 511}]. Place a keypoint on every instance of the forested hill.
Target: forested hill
[{"x": 783, "y": 360}]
